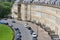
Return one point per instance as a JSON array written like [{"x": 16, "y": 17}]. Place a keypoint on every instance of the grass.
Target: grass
[{"x": 5, "y": 32}]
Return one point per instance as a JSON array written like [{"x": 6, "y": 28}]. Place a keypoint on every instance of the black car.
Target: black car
[
  {"x": 34, "y": 38},
  {"x": 5, "y": 18},
  {"x": 18, "y": 39},
  {"x": 3, "y": 22},
  {"x": 18, "y": 34},
  {"x": 13, "y": 21},
  {"x": 29, "y": 28},
  {"x": 31, "y": 31},
  {"x": 10, "y": 25},
  {"x": 6, "y": 23},
  {"x": 16, "y": 29}
]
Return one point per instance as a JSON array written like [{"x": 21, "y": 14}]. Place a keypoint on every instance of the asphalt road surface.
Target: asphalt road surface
[
  {"x": 24, "y": 31},
  {"x": 42, "y": 35}
]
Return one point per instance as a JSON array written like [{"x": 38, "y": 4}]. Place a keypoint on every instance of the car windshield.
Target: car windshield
[{"x": 34, "y": 34}]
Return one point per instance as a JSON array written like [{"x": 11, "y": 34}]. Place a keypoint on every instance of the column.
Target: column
[
  {"x": 26, "y": 12},
  {"x": 19, "y": 11}
]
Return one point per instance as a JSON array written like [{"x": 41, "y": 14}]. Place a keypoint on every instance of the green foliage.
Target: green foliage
[
  {"x": 5, "y": 7},
  {"x": 4, "y": 10},
  {"x": 7, "y": 0},
  {"x": 7, "y": 4}
]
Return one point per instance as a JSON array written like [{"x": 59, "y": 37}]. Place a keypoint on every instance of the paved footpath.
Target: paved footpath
[{"x": 42, "y": 35}]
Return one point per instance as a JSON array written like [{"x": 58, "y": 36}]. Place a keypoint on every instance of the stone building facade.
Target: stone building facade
[{"x": 50, "y": 16}]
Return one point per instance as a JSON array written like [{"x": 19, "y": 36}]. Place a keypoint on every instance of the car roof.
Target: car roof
[
  {"x": 34, "y": 33},
  {"x": 3, "y": 21}
]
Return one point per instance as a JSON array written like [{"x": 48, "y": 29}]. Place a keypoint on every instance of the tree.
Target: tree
[
  {"x": 4, "y": 10},
  {"x": 7, "y": 4},
  {"x": 5, "y": 7},
  {"x": 7, "y": 0}
]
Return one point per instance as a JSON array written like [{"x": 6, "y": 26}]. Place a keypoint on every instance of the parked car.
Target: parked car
[
  {"x": 5, "y": 18},
  {"x": 26, "y": 25},
  {"x": 56, "y": 38},
  {"x": 31, "y": 31},
  {"x": 34, "y": 38},
  {"x": 34, "y": 35},
  {"x": 10, "y": 25},
  {"x": 18, "y": 34},
  {"x": 6, "y": 23},
  {"x": 13, "y": 21},
  {"x": 16, "y": 29},
  {"x": 9, "y": 16},
  {"x": 3, "y": 22},
  {"x": 29, "y": 28},
  {"x": 18, "y": 39}
]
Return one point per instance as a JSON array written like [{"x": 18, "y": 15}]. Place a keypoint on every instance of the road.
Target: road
[
  {"x": 42, "y": 35},
  {"x": 24, "y": 31}
]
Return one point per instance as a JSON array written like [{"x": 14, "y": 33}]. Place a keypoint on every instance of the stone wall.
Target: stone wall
[{"x": 14, "y": 11}]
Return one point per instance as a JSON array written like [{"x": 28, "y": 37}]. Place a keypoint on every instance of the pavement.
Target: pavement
[{"x": 42, "y": 35}]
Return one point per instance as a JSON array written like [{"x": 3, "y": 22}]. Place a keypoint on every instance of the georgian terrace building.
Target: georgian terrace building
[{"x": 45, "y": 14}]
